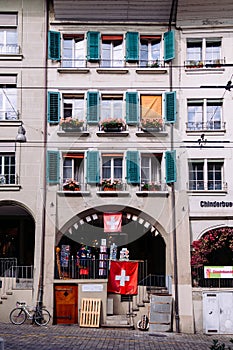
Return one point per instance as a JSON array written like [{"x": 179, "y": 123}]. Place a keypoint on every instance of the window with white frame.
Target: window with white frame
[
  {"x": 8, "y": 101},
  {"x": 112, "y": 167},
  {"x": 112, "y": 54},
  {"x": 204, "y": 114},
  {"x": 73, "y": 106},
  {"x": 206, "y": 175},
  {"x": 111, "y": 106},
  {"x": 150, "y": 169},
  {"x": 73, "y": 51},
  {"x": 206, "y": 50},
  {"x": 73, "y": 168},
  {"x": 7, "y": 169},
  {"x": 150, "y": 50},
  {"x": 8, "y": 33}
]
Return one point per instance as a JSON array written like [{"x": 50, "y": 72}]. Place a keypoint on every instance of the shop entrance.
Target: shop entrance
[{"x": 66, "y": 304}]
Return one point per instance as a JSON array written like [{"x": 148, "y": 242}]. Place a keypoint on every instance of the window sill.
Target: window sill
[
  {"x": 74, "y": 193},
  {"x": 151, "y": 70},
  {"x": 74, "y": 70},
  {"x": 198, "y": 70},
  {"x": 112, "y": 70},
  {"x": 206, "y": 192},
  {"x": 12, "y": 122},
  {"x": 10, "y": 188},
  {"x": 152, "y": 193},
  {"x": 213, "y": 132},
  {"x": 112, "y": 193},
  {"x": 11, "y": 57},
  {"x": 112, "y": 134},
  {"x": 151, "y": 133},
  {"x": 73, "y": 133}
]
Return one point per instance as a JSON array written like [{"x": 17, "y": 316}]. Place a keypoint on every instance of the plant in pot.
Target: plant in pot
[
  {"x": 152, "y": 124},
  {"x": 70, "y": 124},
  {"x": 71, "y": 185},
  {"x": 112, "y": 124}
]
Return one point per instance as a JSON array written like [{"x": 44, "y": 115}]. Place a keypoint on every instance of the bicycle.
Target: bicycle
[{"x": 22, "y": 312}]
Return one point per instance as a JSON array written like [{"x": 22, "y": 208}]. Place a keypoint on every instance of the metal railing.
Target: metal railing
[
  {"x": 6, "y": 264},
  {"x": 198, "y": 280},
  {"x": 215, "y": 63},
  {"x": 202, "y": 126},
  {"x": 153, "y": 187},
  {"x": 201, "y": 185}
]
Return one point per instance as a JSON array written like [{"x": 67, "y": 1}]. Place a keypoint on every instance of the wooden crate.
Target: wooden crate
[{"x": 90, "y": 312}]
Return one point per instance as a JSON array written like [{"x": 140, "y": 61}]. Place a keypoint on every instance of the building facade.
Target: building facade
[{"x": 125, "y": 126}]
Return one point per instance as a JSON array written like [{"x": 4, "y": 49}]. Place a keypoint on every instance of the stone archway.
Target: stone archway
[
  {"x": 139, "y": 234},
  {"x": 17, "y": 233}
]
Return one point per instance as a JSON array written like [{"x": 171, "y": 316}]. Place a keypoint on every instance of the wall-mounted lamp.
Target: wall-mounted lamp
[
  {"x": 202, "y": 141},
  {"x": 21, "y": 134}
]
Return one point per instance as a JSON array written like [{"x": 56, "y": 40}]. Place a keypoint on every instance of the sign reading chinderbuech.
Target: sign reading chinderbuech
[{"x": 216, "y": 204}]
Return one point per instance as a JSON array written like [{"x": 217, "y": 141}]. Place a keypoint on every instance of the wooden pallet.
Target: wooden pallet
[{"x": 90, "y": 312}]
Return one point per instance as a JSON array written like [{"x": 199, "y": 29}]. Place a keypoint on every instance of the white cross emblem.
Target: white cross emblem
[
  {"x": 122, "y": 278},
  {"x": 112, "y": 223}
]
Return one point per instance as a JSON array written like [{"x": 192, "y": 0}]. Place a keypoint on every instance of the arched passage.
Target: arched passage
[
  {"x": 17, "y": 233},
  {"x": 139, "y": 234}
]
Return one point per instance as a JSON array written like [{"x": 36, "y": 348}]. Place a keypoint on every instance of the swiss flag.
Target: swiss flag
[
  {"x": 123, "y": 277},
  {"x": 112, "y": 222}
]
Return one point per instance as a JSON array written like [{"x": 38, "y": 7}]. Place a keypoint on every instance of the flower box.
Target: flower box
[
  {"x": 71, "y": 185},
  {"x": 108, "y": 185},
  {"x": 112, "y": 125},
  {"x": 71, "y": 125},
  {"x": 152, "y": 124}
]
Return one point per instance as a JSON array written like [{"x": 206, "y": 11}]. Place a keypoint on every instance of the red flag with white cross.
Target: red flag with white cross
[{"x": 123, "y": 277}]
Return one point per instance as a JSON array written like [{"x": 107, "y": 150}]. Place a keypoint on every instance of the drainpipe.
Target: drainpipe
[
  {"x": 173, "y": 213},
  {"x": 44, "y": 190}
]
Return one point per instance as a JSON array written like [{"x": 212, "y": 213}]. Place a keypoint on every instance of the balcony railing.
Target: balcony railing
[
  {"x": 198, "y": 280},
  {"x": 6, "y": 264},
  {"x": 153, "y": 186},
  {"x": 8, "y": 115},
  {"x": 201, "y": 185},
  {"x": 91, "y": 269},
  {"x": 73, "y": 186},
  {"x": 9, "y": 49},
  {"x": 6, "y": 180},
  {"x": 203, "y": 126},
  {"x": 204, "y": 64}
]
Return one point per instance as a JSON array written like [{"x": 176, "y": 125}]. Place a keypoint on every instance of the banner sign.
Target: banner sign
[
  {"x": 112, "y": 222},
  {"x": 123, "y": 277},
  {"x": 218, "y": 271}
]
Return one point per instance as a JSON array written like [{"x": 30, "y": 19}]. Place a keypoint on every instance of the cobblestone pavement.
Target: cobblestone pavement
[{"x": 31, "y": 337}]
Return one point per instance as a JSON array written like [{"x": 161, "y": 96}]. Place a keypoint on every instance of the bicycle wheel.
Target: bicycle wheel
[
  {"x": 18, "y": 316},
  {"x": 42, "y": 317}
]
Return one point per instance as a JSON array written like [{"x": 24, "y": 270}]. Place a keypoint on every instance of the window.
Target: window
[
  {"x": 207, "y": 50},
  {"x": 112, "y": 167},
  {"x": 206, "y": 175},
  {"x": 150, "y": 169},
  {"x": 150, "y": 47},
  {"x": 8, "y": 33},
  {"x": 73, "y": 168},
  {"x": 73, "y": 54},
  {"x": 204, "y": 114},
  {"x": 73, "y": 106},
  {"x": 7, "y": 169},
  {"x": 8, "y": 100},
  {"x": 151, "y": 111},
  {"x": 112, "y": 51},
  {"x": 111, "y": 106}
]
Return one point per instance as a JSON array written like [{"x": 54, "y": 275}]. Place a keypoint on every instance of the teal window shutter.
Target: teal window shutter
[
  {"x": 53, "y": 167},
  {"x": 53, "y": 108},
  {"x": 170, "y": 161},
  {"x": 132, "y": 46},
  {"x": 54, "y": 45},
  {"x": 132, "y": 107},
  {"x": 92, "y": 107},
  {"x": 93, "y": 46},
  {"x": 133, "y": 167},
  {"x": 93, "y": 167},
  {"x": 170, "y": 107},
  {"x": 169, "y": 45}
]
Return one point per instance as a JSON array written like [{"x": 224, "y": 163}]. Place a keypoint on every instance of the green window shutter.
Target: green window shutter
[
  {"x": 92, "y": 107},
  {"x": 133, "y": 167},
  {"x": 169, "y": 45},
  {"x": 93, "y": 46},
  {"x": 131, "y": 107},
  {"x": 170, "y": 107},
  {"x": 170, "y": 161},
  {"x": 132, "y": 46},
  {"x": 54, "y": 45},
  {"x": 53, "y": 108},
  {"x": 53, "y": 167},
  {"x": 93, "y": 167}
]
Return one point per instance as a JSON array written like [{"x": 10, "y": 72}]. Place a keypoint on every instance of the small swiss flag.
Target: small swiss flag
[{"x": 123, "y": 277}]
